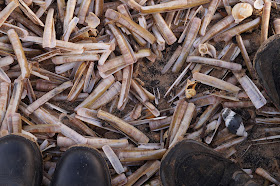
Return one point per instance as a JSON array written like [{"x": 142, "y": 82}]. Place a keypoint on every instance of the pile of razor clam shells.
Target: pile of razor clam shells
[{"x": 70, "y": 75}]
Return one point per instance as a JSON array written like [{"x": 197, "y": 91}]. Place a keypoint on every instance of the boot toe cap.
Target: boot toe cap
[
  {"x": 81, "y": 166},
  {"x": 20, "y": 160}
]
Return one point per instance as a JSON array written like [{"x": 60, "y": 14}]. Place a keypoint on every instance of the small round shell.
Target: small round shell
[
  {"x": 241, "y": 11},
  {"x": 258, "y": 4}
]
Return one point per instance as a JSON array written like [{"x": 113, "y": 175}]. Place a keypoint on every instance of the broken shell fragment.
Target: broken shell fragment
[
  {"x": 241, "y": 11},
  {"x": 234, "y": 122},
  {"x": 190, "y": 92},
  {"x": 208, "y": 49}
]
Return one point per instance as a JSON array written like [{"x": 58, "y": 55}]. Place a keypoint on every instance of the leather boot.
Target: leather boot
[
  {"x": 20, "y": 162},
  {"x": 81, "y": 166},
  {"x": 267, "y": 65},
  {"x": 191, "y": 163}
]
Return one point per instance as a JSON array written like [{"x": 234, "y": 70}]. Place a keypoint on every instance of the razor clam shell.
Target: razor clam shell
[
  {"x": 114, "y": 160},
  {"x": 121, "y": 125}
]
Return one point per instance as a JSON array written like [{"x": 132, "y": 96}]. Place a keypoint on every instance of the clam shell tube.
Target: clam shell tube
[{"x": 233, "y": 122}]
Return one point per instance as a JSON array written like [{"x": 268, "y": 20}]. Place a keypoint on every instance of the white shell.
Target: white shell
[
  {"x": 241, "y": 11},
  {"x": 258, "y": 4}
]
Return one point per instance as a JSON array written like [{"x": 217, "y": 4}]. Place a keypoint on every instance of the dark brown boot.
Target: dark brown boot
[
  {"x": 267, "y": 65},
  {"x": 20, "y": 162},
  {"x": 81, "y": 166},
  {"x": 191, "y": 163}
]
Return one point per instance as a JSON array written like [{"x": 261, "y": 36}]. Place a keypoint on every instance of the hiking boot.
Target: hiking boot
[
  {"x": 20, "y": 161},
  {"x": 191, "y": 163},
  {"x": 267, "y": 65},
  {"x": 81, "y": 165}
]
